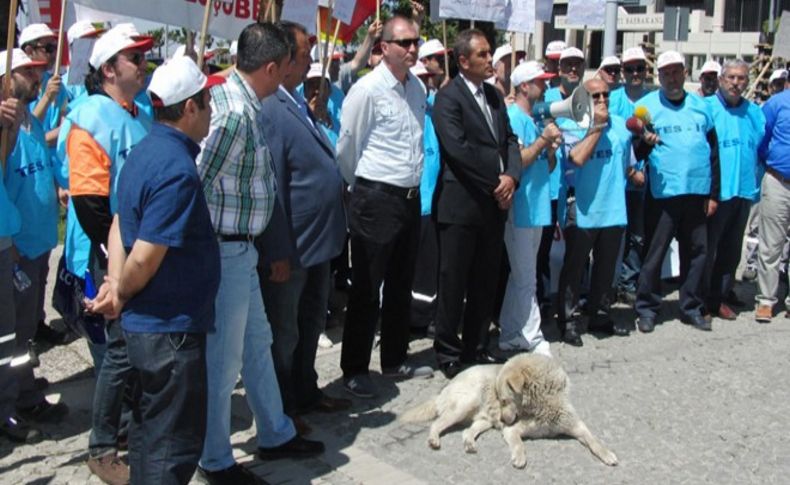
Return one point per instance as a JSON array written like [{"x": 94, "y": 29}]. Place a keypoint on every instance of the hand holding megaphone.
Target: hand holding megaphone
[{"x": 552, "y": 135}]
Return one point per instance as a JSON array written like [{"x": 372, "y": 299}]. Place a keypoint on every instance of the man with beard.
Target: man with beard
[{"x": 709, "y": 79}]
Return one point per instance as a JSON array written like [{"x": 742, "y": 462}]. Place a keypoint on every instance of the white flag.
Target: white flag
[
  {"x": 484, "y": 10},
  {"x": 519, "y": 17},
  {"x": 591, "y": 13},
  {"x": 302, "y": 12}
]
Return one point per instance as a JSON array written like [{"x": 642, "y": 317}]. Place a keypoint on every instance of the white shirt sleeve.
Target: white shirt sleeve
[{"x": 356, "y": 120}]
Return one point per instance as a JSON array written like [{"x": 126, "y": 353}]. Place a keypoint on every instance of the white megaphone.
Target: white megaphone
[{"x": 577, "y": 107}]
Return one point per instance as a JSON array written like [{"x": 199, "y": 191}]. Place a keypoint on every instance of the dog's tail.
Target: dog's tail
[{"x": 424, "y": 412}]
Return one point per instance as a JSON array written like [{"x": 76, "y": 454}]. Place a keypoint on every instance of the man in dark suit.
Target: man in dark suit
[
  {"x": 308, "y": 229},
  {"x": 481, "y": 165}
]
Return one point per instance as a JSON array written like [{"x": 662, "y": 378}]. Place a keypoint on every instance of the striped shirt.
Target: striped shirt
[{"x": 235, "y": 164}]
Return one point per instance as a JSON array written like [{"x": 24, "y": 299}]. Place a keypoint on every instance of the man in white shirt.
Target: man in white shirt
[{"x": 380, "y": 155}]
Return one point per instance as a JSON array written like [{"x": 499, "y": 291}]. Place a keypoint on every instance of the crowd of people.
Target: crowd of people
[{"x": 207, "y": 216}]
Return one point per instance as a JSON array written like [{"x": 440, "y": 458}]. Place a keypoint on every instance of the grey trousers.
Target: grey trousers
[{"x": 773, "y": 225}]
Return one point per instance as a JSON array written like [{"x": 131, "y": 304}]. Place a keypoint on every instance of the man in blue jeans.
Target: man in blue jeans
[{"x": 163, "y": 270}]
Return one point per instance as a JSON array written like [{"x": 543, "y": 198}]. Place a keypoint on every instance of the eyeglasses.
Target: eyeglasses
[
  {"x": 48, "y": 48},
  {"x": 602, "y": 94},
  {"x": 634, "y": 69},
  {"x": 612, "y": 71},
  {"x": 405, "y": 43},
  {"x": 135, "y": 58}
]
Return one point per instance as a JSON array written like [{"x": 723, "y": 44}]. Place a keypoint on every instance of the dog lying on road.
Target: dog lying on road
[{"x": 527, "y": 397}]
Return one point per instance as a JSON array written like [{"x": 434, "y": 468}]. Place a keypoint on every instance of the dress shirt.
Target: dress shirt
[
  {"x": 382, "y": 124},
  {"x": 235, "y": 164}
]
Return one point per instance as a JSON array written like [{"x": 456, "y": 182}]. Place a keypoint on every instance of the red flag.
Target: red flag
[{"x": 362, "y": 10}]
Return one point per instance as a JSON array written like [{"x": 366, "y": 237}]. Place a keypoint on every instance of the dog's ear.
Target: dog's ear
[{"x": 515, "y": 381}]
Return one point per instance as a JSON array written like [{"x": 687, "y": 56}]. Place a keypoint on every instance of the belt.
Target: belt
[
  {"x": 777, "y": 175},
  {"x": 235, "y": 237},
  {"x": 405, "y": 192}
]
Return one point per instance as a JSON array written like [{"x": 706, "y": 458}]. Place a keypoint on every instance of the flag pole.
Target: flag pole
[
  {"x": 203, "y": 32},
  {"x": 61, "y": 36},
  {"x": 7, "y": 79},
  {"x": 263, "y": 10},
  {"x": 512, "y": 61},
  {"x": 378, "y": 10},
  {"x": 446, "y": 57}
]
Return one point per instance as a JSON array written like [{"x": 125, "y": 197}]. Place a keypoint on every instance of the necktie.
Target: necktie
[{"x": 481, "y": 101}]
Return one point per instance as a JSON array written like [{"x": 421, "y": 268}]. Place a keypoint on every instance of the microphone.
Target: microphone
[
  {"x": 635, "y": 126},
  {"x": 641, "y": 122}
]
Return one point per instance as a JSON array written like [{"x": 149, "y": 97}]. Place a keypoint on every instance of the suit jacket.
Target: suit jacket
[
  {"x": 470, "y": 155},
  {"x": 309, "y": 222}
]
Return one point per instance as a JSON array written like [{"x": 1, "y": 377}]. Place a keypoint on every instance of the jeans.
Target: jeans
[
  {"x": 634, "y": 241},
  {"x": 112, "y": 384},
  {"x": 297, "y": 312},
  {"x": 241, "y": 342},
  {"x": 520, "y": 317},
  {"x": 169, "y": 412}
]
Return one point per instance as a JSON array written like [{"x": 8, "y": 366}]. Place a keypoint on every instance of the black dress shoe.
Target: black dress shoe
[
  {"x": 297, "y": 447},
  {"x": 571, "y": 336},
  {"x": 620, "y": 329},
  {"x": 645, "y": 324},
  {"x": 697, "y": 321},
  {"x": 18, "y": 431},
  {"x": 233, "y": 475},
  {"x": 451, "y": 369},
  {"x": 44, "y": 412}
]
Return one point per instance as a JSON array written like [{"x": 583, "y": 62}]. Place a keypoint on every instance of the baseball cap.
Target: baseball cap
[
  {"x": 182, "y": 49},
  {"x": 178, "y": 79},
  {"x": 81, "y": 29},
  {"x": 128, "y": 29},
  {"x": 418, "y": 69},
  {"x": 554, "y": 49},
  {"x": 18, "y": 59},
  {"x": 571, "y": 52},
  {"x": 633, "y": 54},
  {"x": 609, "y": 61},
  {"x": 670, "y": 57},
  {"x": 431, "y": 47},
  {"x": 34, "y": 32},
  {"x": 529, "y": 71},
  {"x": 113, "y": 42},
  {"x": 234, "y": 48},
  {"x": 711, "y": 66},
  {"x": 316, "y": 70},
  {"x": 500, "y": 52},
  {"x": 778, "y": 74}
]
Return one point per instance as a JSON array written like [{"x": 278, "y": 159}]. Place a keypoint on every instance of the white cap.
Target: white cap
[
  {"x": 316, "y": 70},
  {"x": 181, "y": 51},
  {"x": 670, "y": 57},
  {"x": 126, "y": 28},
  {"x": 500, "y": 52},
  {"x": 234, "y": 47},
  {"x": 634, "y": 54},
  {"x": 114, "y": 42},
  {"x": 34, "y": 32},
  {"x": 431, "y": 47},
  {"x": 554, "y": 49},
  {"x": 778, "y": 74},
  {"x": 609, "y": 61},
  {"x": 571, "y": 52},
  {"x": 711, "y": 66},
  {"x": 529, "y": 71},
  {"x": 336, "y": 55},
  {"x": 18, "y": 59},
  {"x": 83, "y": 28},
  {"x": 418, "y": 69},
  {"x": 178, "y": 79}
]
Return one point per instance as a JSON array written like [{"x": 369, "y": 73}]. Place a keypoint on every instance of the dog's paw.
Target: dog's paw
[
  {"x": 519, "y": 460},
  {"x": 609, "y": 458},
  {"x": 434, "y": 443},
  {"x": 469, "y": 443}
]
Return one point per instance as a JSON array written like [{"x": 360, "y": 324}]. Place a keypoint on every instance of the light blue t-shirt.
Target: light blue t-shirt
[
  {"x": 10, "y": 221},
  {"x": 532, "y": 200},
  {"x": 740, "y": 130},
  {"x": 599, "y": 184},
  {"x": 431, "y": 162},
  {"x": 680, "y": 164},
  {"x": 30, "y": 183}
]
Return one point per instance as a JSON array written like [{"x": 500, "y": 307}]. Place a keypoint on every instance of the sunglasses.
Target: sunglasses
[
  {"x": 405, "y": 43},
  {"x": 614, "y": 71},
  {"x": 602, "y": 94},
  {"x": 135, "y": 58},
  {"x": 633, "y": 69},
  {"x": 48, "y": 48}
]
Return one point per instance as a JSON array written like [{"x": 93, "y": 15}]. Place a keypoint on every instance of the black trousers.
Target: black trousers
[
  {"x": 426, "y": 276},
  {"x": 604, "y": 242},
  {"x": 469, "y": 261},
  {"x": 544, "y": 259},
  {"x": 682, "y": 217},
  {"x": 725, "y": 239},
  {"x": 385, "y": 230}
]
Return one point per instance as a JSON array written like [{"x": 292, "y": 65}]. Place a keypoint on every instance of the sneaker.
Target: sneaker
[
  {"x": 110, "y": 469},
  {"x": 407, "y": 371},
  {"x": 17, "y": 430},
  {"x": 324, "y": 341},
  {"x": 764, "y": 313},
  {"x": 296, "y": 447},
  {"x": 234, "y": 475},
  {"x": 45, "y": 412},
  {"x": 360, "y": 386}
]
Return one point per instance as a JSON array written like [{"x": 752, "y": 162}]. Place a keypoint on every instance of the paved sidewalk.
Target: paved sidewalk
[{"x": 677, "y": 406}]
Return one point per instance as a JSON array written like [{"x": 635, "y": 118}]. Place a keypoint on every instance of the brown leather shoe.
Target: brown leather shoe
[
  {"x": 110, "y": 469},
  {"x": 764, "y": 313},
  {"x": 302, "y": 428},
  {"x": 726, "y": 312}
]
